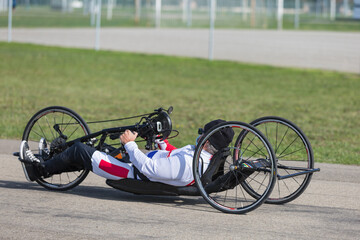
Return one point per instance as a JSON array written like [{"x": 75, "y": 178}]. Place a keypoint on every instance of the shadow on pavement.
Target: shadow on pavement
[{"x": 107, "y": 193}]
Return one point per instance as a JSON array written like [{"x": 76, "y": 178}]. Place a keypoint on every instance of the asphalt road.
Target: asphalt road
[
  {"x": 337, "y": 51},
  {"x": 329, "y": 209}
]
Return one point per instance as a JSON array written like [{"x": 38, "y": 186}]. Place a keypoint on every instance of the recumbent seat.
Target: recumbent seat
[{"x": 213, "y": 179}]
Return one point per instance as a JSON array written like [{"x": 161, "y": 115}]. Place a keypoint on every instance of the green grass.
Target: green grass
[
  {"x": 43, "y": 16},
  {"x": 102, "y": 85}
]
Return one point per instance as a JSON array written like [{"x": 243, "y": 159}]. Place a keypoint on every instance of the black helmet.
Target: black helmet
[{"x": 220, "y": 139}]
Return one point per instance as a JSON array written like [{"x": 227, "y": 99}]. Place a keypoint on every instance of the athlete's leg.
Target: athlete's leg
[
  {"x": 80, "y": 156},
  {"x": 76, "y": 157},
  {"x": 109, "y": 167}
]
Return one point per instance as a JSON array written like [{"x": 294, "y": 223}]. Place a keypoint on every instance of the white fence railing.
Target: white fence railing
[{"x": 211, "y": 14}]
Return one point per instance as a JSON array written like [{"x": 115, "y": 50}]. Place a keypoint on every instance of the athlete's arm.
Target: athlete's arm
[{"x": 169, "y": 168}]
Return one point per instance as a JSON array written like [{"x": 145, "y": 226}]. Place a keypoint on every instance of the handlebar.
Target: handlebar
[{"x": 148, "y": 128}]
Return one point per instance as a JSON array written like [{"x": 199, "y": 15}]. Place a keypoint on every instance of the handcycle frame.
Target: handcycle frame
[
  {"x": 153, "y": 126},
  {"x": 114, "y": 132}
]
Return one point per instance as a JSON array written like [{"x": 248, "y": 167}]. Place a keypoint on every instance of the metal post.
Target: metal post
[
  {"x": 317, "y": 8},
  {"x": 27, "y": 4},
  {"x": 244, "y": 9},
  {"x": 98, "y": 25},
  {"x": 253, "y": 13},
  {"x": 69, "y": 6},
  {"x": 296, "y": 19},
  {"x": 137, "y": 11},
  {"x": 333, "y": 9},
  {"x": 92, "y": 12},
  {"x": 211, "y": 31},
  {"x": 157, "y": 13},
  {"x": 10, "y": 21},
  {"x": 184, "y": 6},
  {"x": 110, "y": 5},
  {"x": 189, "y": 14},
  {"x": 346, "y": 8},
  {"x": 325, "y": 8},
  {"x": 280, "y": 12},
  {"x": 85, "y": 7},
  {"x": 63, "y": 6},
  {"x": 269, "y": 8}
]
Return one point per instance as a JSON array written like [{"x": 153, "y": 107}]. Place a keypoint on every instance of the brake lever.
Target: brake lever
[{"x": 114, "y": 136}]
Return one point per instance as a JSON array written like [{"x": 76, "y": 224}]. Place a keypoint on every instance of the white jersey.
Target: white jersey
[{"x": 169, "y": 165}]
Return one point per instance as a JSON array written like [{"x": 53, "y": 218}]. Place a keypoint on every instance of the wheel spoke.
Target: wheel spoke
[
  {"x": 73, "y": 132},
  {"x": 49, "y": 126},
  {"x": 266, "y": 132},
  {"x": 62, "y": 122},
  {"x": 37, "y": 134},
  {"x": 286, "y": 186},
  {"x": 67, "y": 124},
  {"x": 289, "y": 146},
  {"x": 44, "y": 135},
  {"x": 276, "y": 137},
  {"x": 300, "y": 149},
  {"x": 292, "y": 177},
  {"x": 253, "y": 179},
  {"x": 257, "y": 173},
  {"x": 262, "y": 183},
  {"x": 249, "y": 143},
  {"x": 282, "y": 140},
  {"x": 257, "y": 148},
  {"x": 254, "y": 153}
]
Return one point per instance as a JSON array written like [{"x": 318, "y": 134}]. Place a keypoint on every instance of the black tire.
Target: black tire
[
  {"x": 41, "y": 126},
  {"x": 230, "y": 197},
  {"x": 292, "y": 149}
]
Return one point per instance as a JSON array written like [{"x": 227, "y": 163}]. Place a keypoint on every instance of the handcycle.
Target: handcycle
[{"x": 239, "y": 178}]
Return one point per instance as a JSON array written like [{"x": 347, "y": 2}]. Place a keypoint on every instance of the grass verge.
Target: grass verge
[{"x": 104, "y": 84}]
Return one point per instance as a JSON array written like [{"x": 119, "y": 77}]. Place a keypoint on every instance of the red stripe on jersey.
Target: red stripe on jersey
[
  {"x": 169, "y": 147},
  {"x": 193, "y": 181},
  {"x": 113, "y": 169}
]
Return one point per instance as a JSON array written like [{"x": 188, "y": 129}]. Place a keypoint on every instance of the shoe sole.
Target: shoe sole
[{"x": 22, "y": 163}]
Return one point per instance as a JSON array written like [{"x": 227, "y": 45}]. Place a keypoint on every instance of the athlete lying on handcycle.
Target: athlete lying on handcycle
[
  {"x": 168, "y": 165},
  {"x": 233, "y": 165}
]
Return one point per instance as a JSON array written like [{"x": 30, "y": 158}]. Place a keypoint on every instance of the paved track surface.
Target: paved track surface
[
  {"x": 329, "y": 209},
  {"x": 305, "y": 49}
]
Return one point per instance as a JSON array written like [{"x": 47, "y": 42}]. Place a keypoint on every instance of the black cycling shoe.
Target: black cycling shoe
[
  {"x": 248, "y": 167},
  {"x": 29, "y": 162},
  {"x": 254, "y": 165}
]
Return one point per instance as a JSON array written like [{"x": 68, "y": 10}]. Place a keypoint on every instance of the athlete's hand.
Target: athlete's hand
[{"x": 128, "y": 136}]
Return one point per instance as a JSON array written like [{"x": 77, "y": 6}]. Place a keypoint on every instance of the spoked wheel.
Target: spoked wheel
[
  {"x": 42, "y": 127},
  {"x": 294, "y": 156},
  {"x": 252, "y": 161}
]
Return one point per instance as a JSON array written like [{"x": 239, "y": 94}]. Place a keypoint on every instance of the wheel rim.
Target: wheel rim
[
  {"x": 237, "y": 199},
  {"x": 291, "y": 150},
  {"x": 42, "y": 127}
]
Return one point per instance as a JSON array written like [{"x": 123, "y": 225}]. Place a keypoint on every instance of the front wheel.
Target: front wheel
[
  {"x": 41, "y": 127},
  {"x": 252, "y": 161}
]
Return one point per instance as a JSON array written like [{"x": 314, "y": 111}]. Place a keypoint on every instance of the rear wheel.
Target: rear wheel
[
  {"x": 293, "y": 153},
  {"x": 41, "y": 126},
  {"x": 226, "y": 193}
]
